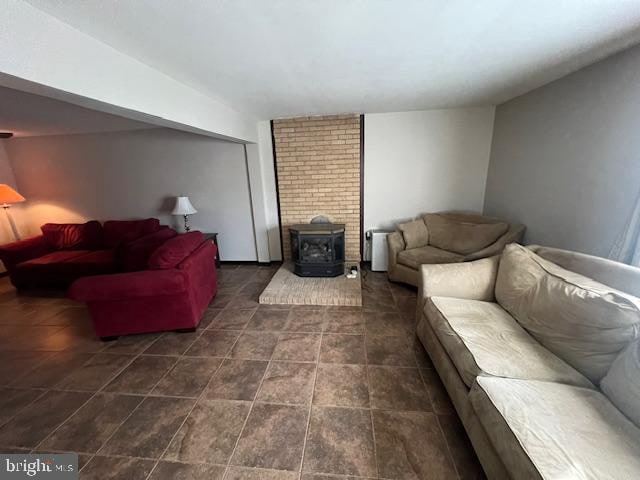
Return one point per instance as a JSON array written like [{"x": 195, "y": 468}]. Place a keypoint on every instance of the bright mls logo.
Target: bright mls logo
[{"x": 53, "y": 466}]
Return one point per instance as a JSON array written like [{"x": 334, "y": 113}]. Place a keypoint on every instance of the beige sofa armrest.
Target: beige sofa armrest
[
  {"x": 395, "y": 245},
  {"x": 470, "y": 280},
  {"x": 513, "y": 235}
]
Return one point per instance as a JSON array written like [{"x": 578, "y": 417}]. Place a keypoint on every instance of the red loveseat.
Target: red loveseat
[
  {"x": 66, "y": 252},
  {"x": 172, "y": 294}
]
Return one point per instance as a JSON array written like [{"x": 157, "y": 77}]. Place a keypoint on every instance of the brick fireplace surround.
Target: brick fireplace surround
[{"x": 318, "y": 173}]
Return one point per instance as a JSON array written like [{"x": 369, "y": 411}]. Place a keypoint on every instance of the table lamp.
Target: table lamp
[
  {"x": 8, "y": 196},
  {"x": 183, "y": 207}
]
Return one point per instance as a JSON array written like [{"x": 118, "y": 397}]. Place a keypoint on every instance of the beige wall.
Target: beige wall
[
  {"x": 318, "y": 166},
  {"x": 71, "y": 178},
  {"x": 565, "y": 158}
]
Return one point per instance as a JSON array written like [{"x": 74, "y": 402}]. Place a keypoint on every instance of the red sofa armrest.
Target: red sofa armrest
[
  {"x": 123, "y": 286},
  {"x": 17, "y": 252}
]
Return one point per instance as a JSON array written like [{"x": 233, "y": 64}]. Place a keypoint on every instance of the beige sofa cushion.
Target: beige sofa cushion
[
  {"x": 415, "y": 234},
  {"x": 481, "y": 338},
  {"x": 555, "y": 431},
  {"x": 622, "y": 382},
  {"x": 582, "y": 321},
  {"x": 462, "y": 237},
  {"x": 471, "y": 280},
  {"x": 419, "y": 256},
  {"x": 614, "y": 274}
]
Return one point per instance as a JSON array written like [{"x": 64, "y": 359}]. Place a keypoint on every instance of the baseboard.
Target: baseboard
[{"x": 247, "y": 262}]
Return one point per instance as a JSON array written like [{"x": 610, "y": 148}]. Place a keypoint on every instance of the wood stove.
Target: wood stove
[{"x": 317, "y": 249}]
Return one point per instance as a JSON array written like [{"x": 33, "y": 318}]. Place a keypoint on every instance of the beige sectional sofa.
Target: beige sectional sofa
[
  {"x": 539, "y": 351},
  {"x": 445, "y": 238}
]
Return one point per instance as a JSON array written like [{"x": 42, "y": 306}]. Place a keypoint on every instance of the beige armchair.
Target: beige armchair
[{"x": 446, "y": 238}]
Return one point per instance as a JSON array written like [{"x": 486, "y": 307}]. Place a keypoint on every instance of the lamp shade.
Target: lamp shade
[
  {"x": 183, "y": 207},
  {"x": 8, "y": 195}
]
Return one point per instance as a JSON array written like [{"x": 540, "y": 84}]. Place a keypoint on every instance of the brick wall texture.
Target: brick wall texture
[{"x": 318, "y": 164}]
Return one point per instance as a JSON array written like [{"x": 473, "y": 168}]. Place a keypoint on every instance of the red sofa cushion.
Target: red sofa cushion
[
  {"x": 173, "y": 251},
  {"x": 116, "y": 232},
  {"x": 61, "y": 268},
  {"x": 98, "y": 258},
  {"x": 17, "y": 252},
  {"x": 134, "y": 256},
  {"x": 53, "y": 258},
  {"x": 73, "y": 236}
]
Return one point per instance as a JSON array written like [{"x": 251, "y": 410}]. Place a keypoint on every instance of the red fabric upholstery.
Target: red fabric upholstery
[
  {"x": 116, "y": 232},
  {"x": 197, "y": 267},
  {"x": 54, "y": 258},
  {"x": 66, "y": 252},
  {"x": 73, "y": 236},
  {"x": 151, "y": 300},
  {"x": 100, "y": 259},
  {"x": 18, "y": 252},
  {"x": 174, "y": 251},
  {"x": 121, "y": 286},
  {"x": 142, "y": 314},
  {"x": 62, "y": 268},
  {"x": 134, "y": 256}
]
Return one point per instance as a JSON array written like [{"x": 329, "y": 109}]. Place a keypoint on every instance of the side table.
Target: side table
[{"x": 214, "y": 238}]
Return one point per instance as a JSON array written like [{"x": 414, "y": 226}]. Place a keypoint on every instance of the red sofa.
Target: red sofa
[
  {"x": 66, "y": 252},
  {"x": 171, "y": 294}
]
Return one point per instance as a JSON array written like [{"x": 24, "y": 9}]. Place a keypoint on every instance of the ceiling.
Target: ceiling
[
  {"x": 28, "y": 115},
  {"x": 282, "y": 58}
]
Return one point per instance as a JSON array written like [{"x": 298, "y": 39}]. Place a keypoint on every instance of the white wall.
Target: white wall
[
  {"x": 43, "y": 55},
  {"x": 264, "y": 198},
  {"x": 566, "y": 157},
  {"x": 424, "y": 161},
  {"x": 268, "y": 175},
  {"x": 135, "y": 174}
]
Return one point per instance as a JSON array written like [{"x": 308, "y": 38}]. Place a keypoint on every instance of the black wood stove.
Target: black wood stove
[{"x": 317, "y": 249}]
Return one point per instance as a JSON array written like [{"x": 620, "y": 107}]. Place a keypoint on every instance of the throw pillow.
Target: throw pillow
[
  {"x": 134, "y": 256},
  {"x": 174, "y": 250},
  {"x": 584, "y": 322},
  {"x": 415, "y": 234},
  {"x": 73, "y": 236},
  {"x": 117, "y": 232}
]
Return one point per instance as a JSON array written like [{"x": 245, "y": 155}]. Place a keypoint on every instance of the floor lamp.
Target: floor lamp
[{"x": 9, "y": 196}]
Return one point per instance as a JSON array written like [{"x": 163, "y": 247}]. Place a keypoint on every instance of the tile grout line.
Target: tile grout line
[
  {"x": 195, "y": 403},
  {"x": 102, "y": 391},
  {"x": 253, "y": 402},
  {"x": 46, "y": 390},
  {"x": 446, "y": 442},
  {"x": 91, "y": 397},
  {"x": 170, "y": 369},
  {"x": 313, "y": 392},
  {"x": 43, "y": 392},
  {"x": 373, "y": 430},
  {"x": 197, "y": 400},
  {"x": 244, "y": 329}
]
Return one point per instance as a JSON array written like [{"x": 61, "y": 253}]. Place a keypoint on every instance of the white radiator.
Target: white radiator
[{"x": 378, "y": 239}]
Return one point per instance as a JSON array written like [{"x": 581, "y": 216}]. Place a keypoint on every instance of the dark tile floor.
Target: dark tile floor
[{"x": 258, "y": 392}]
